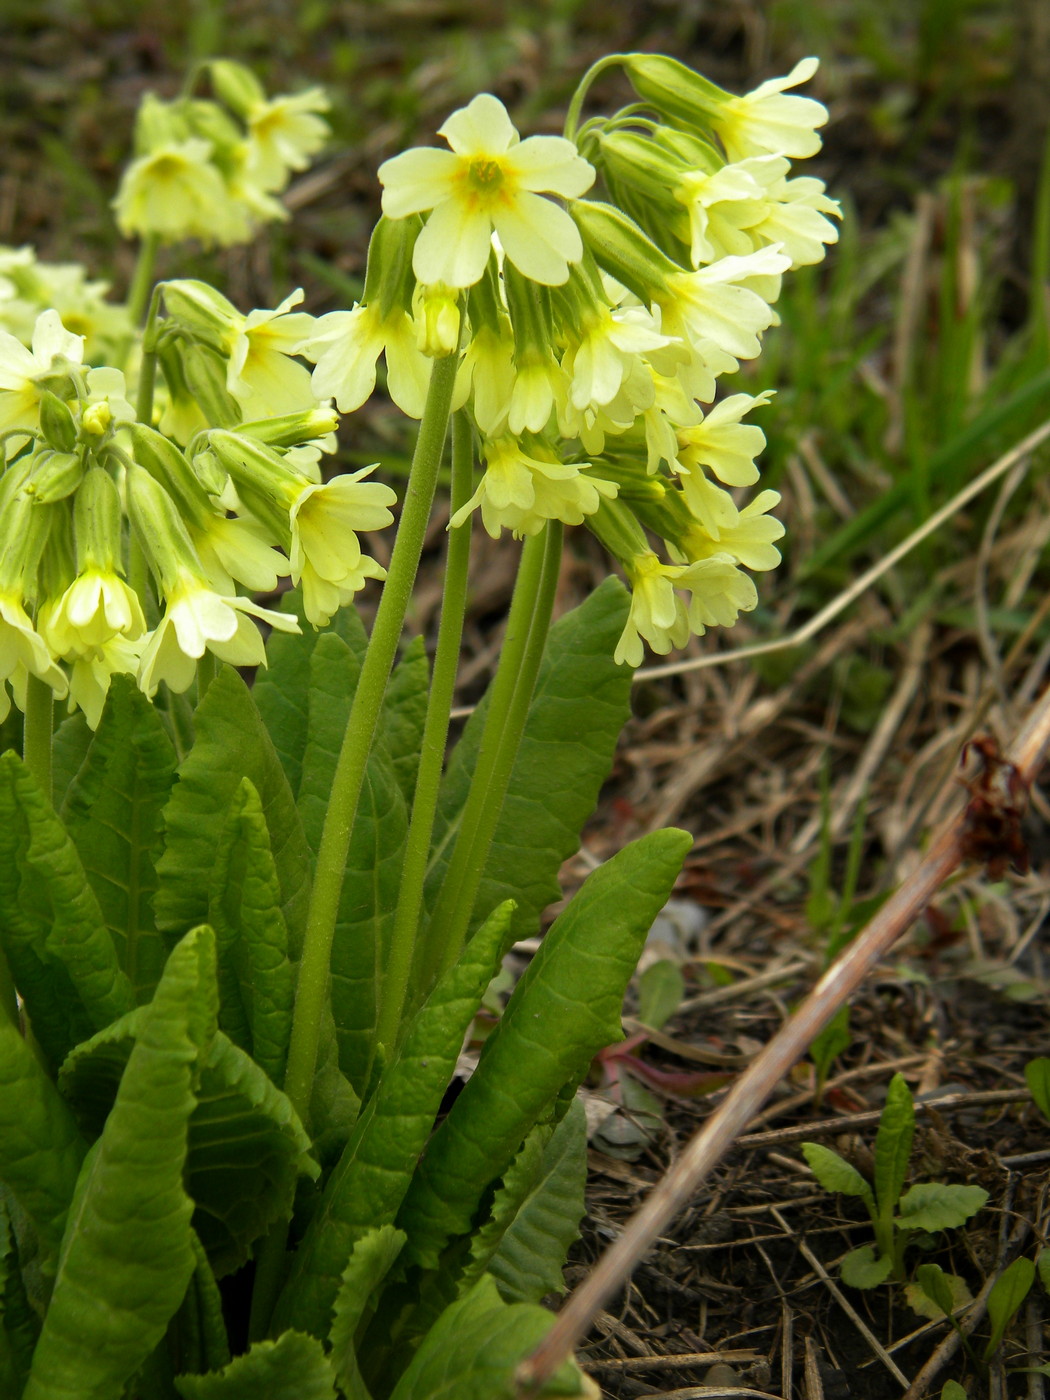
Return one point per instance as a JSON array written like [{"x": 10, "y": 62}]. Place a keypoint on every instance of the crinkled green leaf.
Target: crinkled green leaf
[
  {"x": 581, "y": 703},
  {"x": 373, "y": 1257},
  {"x": 112, "y": 812},
  {"x": 41, "y": 1149},
  {"x": 1037, "y": 1072},
  {"x": 60, "y": 952},
  {"x": 69, "y": 747},
  {"x": 1007, "y": 1294},
  {"x": 231, "y": 743},
  {"x": 127, "y": 1254},
  {"x": 893, "y": 1144},
  {"x": 203, "y": 1344},
  {"x": 293, "y": 1367},
  {"x": 282, "y": 691},
  {"x": 835, "y": 1174},
  {"x": 246, "y": 1144},
  {"x": 374, "y": 860},
  {"x": 952, "y": 1390},
  {"x": 19, "y": 1323},
  {"x": 935, "y": 1205},
  {"x": 405, "y": 711},
  {"x": 369, "y": 1183},
  {"x": 474, "y": 1348},
  {"x": 861, "y": 1268},
  {"x": 564, "y": 1010},
  {"x": 256, "y": 977},
  {"x": 536, "y": 1214}
]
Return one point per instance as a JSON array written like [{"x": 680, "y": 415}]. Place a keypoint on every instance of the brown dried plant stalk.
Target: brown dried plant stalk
[{"x": 970, "y": 835}]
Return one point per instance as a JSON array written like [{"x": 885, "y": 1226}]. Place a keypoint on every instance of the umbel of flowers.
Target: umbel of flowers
[{"x": 593, "y": 288}]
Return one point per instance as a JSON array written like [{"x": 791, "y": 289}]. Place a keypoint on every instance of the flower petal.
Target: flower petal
[
  {"x": 454, "y": 245},
  {"x": 539, "y": 238},
  {"x": 416, "y": 180},
  {"x": 552, "y": 163},
  {"x": 481, "y": 128}
]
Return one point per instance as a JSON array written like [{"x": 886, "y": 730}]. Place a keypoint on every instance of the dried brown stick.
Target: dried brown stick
[{"x": 755, "y": 1085}]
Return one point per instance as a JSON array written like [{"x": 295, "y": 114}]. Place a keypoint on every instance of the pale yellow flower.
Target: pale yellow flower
[
  {"x": 521, "y": 492},
  {"x": 345, "y": 345},
  {"x": 197, "y": 619},
  {"x": 174, "y": 192},
  {"x": 283, "y": 133},
  {"x": 261, "y": 372},
  {"x": 723, "y": 443},
  {"x": 22, "y": 370},
  {"x": 489, "y": 181},
  {"x": 765, "y": 121},
  {"x": 657, "y": 615},
  {"x": 326, "y": 555},
  {"x": 97, "y": 606}
]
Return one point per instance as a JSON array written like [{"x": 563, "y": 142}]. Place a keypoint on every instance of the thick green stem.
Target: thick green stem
[
  {"x": 312, "y": 988},
  {"x": 432, "y": 749},
  {"x": 148, "y": 370},
  {"x": 37, "y": 731},
  {"x": 207, "y": 670},
  {"x": 510, "y": 697},
  {"x": 142, "y": 277}
]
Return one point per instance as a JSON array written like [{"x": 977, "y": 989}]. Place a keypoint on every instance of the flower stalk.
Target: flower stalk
[
  {"x": 432, "y": 748},
  {"x": 312, "y": 988}
]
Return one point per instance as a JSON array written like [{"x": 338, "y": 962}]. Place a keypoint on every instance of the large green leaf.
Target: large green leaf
[
  {"x": 536, "y": 1212},
  {"x": 282, "y": 691},
  {"x": 246, "y": 1147},
  {"x": 564, "y": 1010},
  {"x": 581, "y": 703},
  {"x": 475, "y": 1347},
  {"x": 231, "y": 743},
  {"x": 369, "y": 1183},
  {"x": 405, "y": 712},
  {"x": 69, "y": 747},
  {"x": 61, "y": 954},
  {"x": 41, "y": 1149},
  {"x": 374, "y": 860},
  {"x": 203, "y": 1343},
  {"x": 112, "y": 811},
  {"x": 293, "y": 1367},
  {"x": 371, "y": 1261},
  {"x": 19, "y": 1324},
  {"x": 256, "y": 977},
  {"x": 127, "y": 1254}
]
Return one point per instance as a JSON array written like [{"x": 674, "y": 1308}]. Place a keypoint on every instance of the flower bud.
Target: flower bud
[
  {"x": 96, "y": 418},
  {"x": 157, "y": 524},
  {"x": 673, "y": 89},
  {"x": 54, "y": 476},
  {"x": 201, "y": 310},
  {"x": 97, "y": 522},
  {"x": 157, "y": 124},
  {"x": 168, "y": 466},
  {"x": 206, "y": 380},
  {"x": 437, "y": 320},
  {"x": 617, "y": 529},
  {"x": 637, "y": 163},
  {"x": 291, "y": 429},
  {"x": 262, "y": 476},
  {"x": 57, "y": 422},
  {"x": 389, "y": 279},
  {"x": 622, "y": 249},
  {"x": 209, "y": 121},
  {"x": 236, "y": 85}
]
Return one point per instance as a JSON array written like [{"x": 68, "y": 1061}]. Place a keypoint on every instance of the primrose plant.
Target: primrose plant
[
  {"x": 244, "y": 929},
  {"x": 900, "y": 1217}
]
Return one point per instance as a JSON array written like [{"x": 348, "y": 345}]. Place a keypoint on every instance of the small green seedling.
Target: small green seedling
[
  {"x": 1037, "y": 1072},
  {"x": 928, "y": 1206}
]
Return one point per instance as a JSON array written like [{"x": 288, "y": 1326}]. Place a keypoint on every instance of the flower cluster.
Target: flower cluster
[
  {"x": 594, "y": 331},
  {"x": 209, "y": 169},
  {"x": 213, "y": 518}
]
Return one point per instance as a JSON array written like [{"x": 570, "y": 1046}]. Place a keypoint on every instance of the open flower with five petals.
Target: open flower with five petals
[{"x": 489, "y": 181}]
